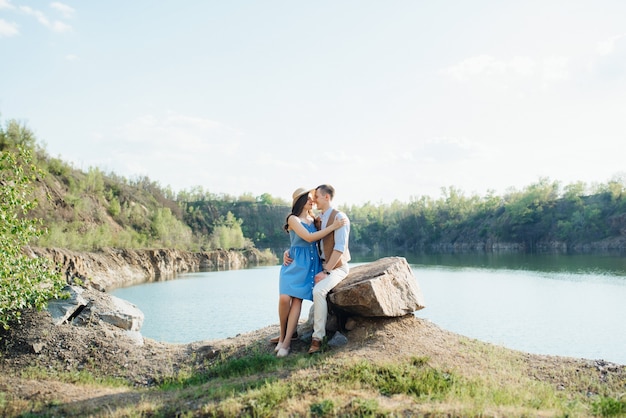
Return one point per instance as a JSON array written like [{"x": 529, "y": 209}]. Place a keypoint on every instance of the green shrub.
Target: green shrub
[
  {"x": 324, "y": 408},
  {"x": 609, "y": 407},
  {"x": 25, "y": 282}
]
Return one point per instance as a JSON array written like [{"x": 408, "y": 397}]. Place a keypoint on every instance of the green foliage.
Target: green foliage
[
  {"x": 168, "y": 230},
  {"x": 25, "y": 282},
  {"x": 414, "y": 378},
  {"x": 364, "y": 408},
  {"x": 227, "y": 234},
  {"x": 322, "y": 408},
  {"x": 16, "y": 135},
  {"x": 256, "y": 362},
  {"x": 609, "y": 407},
  {"x": 114, "y": 207}
]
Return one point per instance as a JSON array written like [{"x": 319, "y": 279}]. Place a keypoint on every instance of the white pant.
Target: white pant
[{"x": 320, "y": 305}]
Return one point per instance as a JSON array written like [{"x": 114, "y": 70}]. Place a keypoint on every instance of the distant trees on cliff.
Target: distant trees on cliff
[
  {"x": 541, "y": 215},
  {"x": 92, "y": 209}
]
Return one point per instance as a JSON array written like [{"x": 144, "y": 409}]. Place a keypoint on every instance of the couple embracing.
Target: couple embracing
[{"x": 311, "y": 268}]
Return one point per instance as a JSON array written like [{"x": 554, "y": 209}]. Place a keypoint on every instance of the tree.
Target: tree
[
  {"x": 25, "y": 282},
  {"x": 227, "y": 233}
]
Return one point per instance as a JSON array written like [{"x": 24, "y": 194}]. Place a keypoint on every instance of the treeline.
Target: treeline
[
  {"x": 542, "y": 216},
  {"x": 93, "y": 209}
]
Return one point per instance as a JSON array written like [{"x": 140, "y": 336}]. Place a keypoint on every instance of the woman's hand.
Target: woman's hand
[{"x": 338, "y": 223}]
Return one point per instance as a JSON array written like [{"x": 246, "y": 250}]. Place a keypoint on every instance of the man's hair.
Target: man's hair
[{"x": 327, "y": 189}]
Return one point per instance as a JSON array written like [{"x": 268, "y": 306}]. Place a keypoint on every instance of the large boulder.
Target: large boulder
[
  {"x": 62, "y": 310},
  {"x": 122, "y": 314},
  {"x": 84, "y": 307},
  {"x": 383, "y": 288}
]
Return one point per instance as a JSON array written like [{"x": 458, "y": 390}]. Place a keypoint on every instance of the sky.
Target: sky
[{"x": 385, "y": 100}]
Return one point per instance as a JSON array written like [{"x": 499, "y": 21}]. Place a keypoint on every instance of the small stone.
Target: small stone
[
  {"x": 338, "y": 340},
  {"x": 350, "y": 324}
]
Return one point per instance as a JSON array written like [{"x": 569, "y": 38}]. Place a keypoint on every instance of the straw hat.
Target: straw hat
[{"x": 299, "y": 192}]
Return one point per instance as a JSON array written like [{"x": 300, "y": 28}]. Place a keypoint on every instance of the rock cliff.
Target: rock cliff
[{"x": 110, "y": 268}]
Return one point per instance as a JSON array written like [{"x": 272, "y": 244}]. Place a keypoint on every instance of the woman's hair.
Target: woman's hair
[{"x": 296, "y": 209}]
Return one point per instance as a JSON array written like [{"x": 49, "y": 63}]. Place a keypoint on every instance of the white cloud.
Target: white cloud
[
  {"x": 488, "y": 66},
  {"x": 55, "y": 26},
  {"x": 476, "y": 66},
  {"x": 173, "y": 149},
  {"x": 180, "y": 136},
  {"x": 6, "y": 4},
  {"x": 64, "y": 9},
  {"x": 72, "y": 57},
  {"x": 8, "y": 29},
  {"x": 523, "y": 66},
  {"x": 610, "y": 62},
  {"x": 555, "y": 69},
  {"x": 503, "y": 75},
  {"x": 607, "y": 46},
  {"x": 446, "y": 150}
]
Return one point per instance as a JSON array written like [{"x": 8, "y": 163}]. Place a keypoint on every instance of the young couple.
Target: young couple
[{"x": 308, "y": 271}]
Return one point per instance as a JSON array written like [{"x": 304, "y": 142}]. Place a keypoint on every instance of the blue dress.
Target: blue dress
[{"x": 296, "y": 279}]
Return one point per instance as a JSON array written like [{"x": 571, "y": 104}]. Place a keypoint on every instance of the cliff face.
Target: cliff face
[{"x": 111, "y": 268}]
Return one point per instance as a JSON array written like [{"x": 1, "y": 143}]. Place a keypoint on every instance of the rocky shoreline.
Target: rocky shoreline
[{"x": 110, "y": 268}]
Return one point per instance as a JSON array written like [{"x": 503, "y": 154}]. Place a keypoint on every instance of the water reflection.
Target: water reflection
[{"x": 606, "y": 264}]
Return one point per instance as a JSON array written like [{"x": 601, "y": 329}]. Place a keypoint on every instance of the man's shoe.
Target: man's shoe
[
  {"x": 293, "y": 338},
  {"x": 316, "y": 346}
]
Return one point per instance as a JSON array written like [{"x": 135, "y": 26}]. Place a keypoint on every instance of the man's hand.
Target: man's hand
[
  {"x": 320, "y": 276},
  {"x": 286, "y": 259}
]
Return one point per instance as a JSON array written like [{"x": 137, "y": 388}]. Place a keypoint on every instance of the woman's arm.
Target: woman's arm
[{"x": 302, "y": 232}]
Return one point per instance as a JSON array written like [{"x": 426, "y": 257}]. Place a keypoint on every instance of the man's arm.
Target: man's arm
[
  {"x": 328, "y": 266},
  {"x": 333, "y": 260}
]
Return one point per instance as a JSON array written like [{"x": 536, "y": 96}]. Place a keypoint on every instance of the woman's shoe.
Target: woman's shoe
[
  {"x": 278, "y": 347},
  {"x": 283, "y": 352}
]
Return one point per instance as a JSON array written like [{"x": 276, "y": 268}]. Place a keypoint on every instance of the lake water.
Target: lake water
[{"x": 570, "y": 305}]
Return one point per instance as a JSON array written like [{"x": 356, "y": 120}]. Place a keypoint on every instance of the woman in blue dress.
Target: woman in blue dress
[{"x": 296, "y": 279}]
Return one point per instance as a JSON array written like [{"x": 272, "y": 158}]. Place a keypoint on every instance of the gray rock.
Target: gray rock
[
  {"x": 63, "y": 309},
  {"x": 122, "y": 314},
  {"x": 86, "y": 305},
  {"x": 38, "y": 347},
  {"x": 383, "y": 288},
  {"x": 338, "y": 340}
]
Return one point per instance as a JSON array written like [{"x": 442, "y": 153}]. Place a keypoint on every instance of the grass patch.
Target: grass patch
[
  {"x": 259, "y": 384},
  {"x": 75, "y": 377},
  {"x": 256, "y": 361},
  {"x": 609, "y": 407},
  {"x": 326, "y": 407},
  {"x": 413, "y": 378}
]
